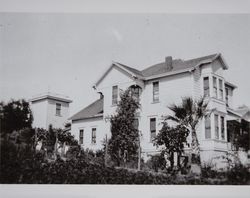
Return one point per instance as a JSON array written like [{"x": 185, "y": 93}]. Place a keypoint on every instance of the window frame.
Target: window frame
[
  {"x": 215, "y": 87},
  {"x": 136, "y": 123},
  {"x": 208, "y": 128},
  {"x": 81, "y": 138},
  {"x": 152, "y": 132},
  {"x": 115, "y": 93},
  {"x": 221, "y": 94},
  {"x": 222, "y": 125},
  {"x": 93, "y": 135},
  {"x": 216, "y": 127},
  {"x": 58, "y": 110},
  {"x": 156, "y": 91},
  {"x": 206, "y": 90},
  {"x": 227, "y": 95}
]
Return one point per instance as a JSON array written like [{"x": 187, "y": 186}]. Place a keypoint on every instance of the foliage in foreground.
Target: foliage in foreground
[
  {"x": 123, "y": 144},
  {"x": 15, "y": 115},
  {"x": 188, "y": 114},
  {"x": 173, "y": 140},
  {"x": 26, "y": 167}
]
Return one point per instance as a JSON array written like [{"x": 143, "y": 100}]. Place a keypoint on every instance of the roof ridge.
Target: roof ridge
[{"x": 202, "y": 57}]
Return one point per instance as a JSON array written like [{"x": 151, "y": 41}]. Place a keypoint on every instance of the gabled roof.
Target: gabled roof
[
  {"x": 160, "y": 69},
  {"x": 178, "y": 65},
  {"x": 95, "y": 109},
  {"x": 133, "y": 70}
]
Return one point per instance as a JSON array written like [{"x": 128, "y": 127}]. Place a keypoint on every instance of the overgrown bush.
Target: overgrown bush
[
  {"x": 23, "y": 165},
  {"x": 155, "y": 163},
  {"x": 238, "y": 174}
]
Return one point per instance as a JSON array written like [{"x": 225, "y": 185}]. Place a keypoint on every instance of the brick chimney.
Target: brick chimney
[{"x": 168, "y": 63}]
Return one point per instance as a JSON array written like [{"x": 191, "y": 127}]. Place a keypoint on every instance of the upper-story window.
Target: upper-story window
[
  {"x": 114, "y": 95},
  {"x": 93, "y": 138},
  {"x": 215, "y": 87},
  {"x": 136, "y": 123},
  {"x": 156, "y": 91},
  {"x": 220, "y": 89},
  {"x": 206, "y": 86},
  {"x": 136, "y": 91},
  {"x": 207, "y": 127},
  {"x": 81, "y": 133},
  {"x": 227, "y": 96},
  {"x": 58, "y": 109},
  {"x": 152, "y": 129}
]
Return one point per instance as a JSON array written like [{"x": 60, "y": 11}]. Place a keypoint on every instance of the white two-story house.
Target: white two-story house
[{"x": 157, "y": 87}]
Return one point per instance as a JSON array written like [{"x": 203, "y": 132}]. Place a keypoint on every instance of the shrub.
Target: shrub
[{"x": 238, "y": 174}]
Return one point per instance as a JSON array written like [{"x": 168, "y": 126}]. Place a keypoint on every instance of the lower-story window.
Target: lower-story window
[
  {"x": 216, "y": 125},
  {"x": 207, "y": 127},
  {"x": 81, "y": 132},
  {"x": 152, "y": 129},
  {"x": 93, "y": 138},
  {"x": 222, "y": 128}
]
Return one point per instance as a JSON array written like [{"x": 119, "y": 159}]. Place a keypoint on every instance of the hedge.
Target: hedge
[{"x": 27, "y": 167}]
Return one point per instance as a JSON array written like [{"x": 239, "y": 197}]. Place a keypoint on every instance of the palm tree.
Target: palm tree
[{"x": 188, "y": 114}]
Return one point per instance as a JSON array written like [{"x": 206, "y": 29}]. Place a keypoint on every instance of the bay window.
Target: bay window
[
  {"x": 206, "y": 86},
  {"x": 215, "y": 87},
  {"x": 220, "y": 89},
  {"x": 207, "y": 127}
]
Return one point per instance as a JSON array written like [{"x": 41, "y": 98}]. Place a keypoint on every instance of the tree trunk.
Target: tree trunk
[
  {"x": 106, "y": 152},
  {"x": 195, "y": 157}
]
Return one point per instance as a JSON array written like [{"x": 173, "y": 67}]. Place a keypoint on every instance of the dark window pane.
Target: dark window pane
[
  {"x": 81, "y": 133},
  {"x": 216, "y": 125},
  {"x": 222, "y": 128},
  {"x": 152, "y": 128},
  {"x": 93, "y": 136},
  {"x": 206, "y": 86}
]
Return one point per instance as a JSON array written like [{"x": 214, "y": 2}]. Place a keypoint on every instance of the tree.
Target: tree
[
  {"x": 15, "y": 115},
  {"x": 188, "y": 114},
  {"x": 123, "y": 144},
  {"x": 173, "y": 140},
  {"x": 52, "y": 136}
]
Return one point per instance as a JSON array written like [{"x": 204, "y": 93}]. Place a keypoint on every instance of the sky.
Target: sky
[{"x": 67, "y": 53}]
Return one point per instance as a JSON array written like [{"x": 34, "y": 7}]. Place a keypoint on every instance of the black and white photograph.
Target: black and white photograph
[{"x": 125, "y": 98}]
